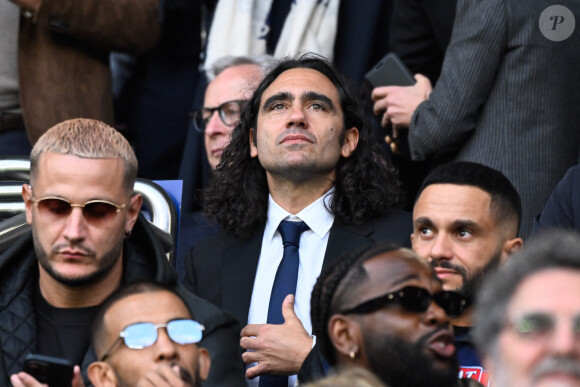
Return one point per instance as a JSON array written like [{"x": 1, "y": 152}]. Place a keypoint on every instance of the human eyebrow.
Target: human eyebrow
[
  {"x": 282, "y": 96},
  {"x": 423, "y": 221},
  {"x": 470, "y": 224},
  {"x": 314, "y": 96}
]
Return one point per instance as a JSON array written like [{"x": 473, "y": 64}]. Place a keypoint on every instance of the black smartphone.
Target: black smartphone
[
  {"x": 54, "y": 371},
  {"x": 390, "y": 71}
]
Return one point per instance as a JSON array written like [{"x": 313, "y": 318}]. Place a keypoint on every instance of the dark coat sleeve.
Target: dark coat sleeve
[
  {"x": 221, "y": 338},
  {"x": 420, "y": 33},
  {"x": 563, "y": 207}
]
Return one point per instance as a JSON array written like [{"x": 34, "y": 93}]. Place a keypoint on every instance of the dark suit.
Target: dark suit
[
  {"x": 156, "y": 92},
  {"x": 222, "y": 269},
  {"x": 562, "y": 211},
  {"x": 194, "y": 227},
  {"x": 420, "y": 34},
  {"x": 362, "y": 36}
]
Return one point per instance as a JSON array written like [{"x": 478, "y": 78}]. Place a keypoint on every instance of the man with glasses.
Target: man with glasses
[
  {"x": 138, "y": 342},
  {"x": 235, "y": 79},
  {"x": 87, "y": 239},
  {"x": 384, "y": 309},
  {"x": 528, "y": 315}
]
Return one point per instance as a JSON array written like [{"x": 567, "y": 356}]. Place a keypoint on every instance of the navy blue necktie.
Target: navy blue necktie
[{"x": 284, "y": 284}]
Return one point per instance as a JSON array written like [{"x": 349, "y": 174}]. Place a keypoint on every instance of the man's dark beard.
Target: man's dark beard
[
  {"x": 472, "y": 284},
  {"x": 107, "y": 263},
  {"x": 400, "y": 363}
]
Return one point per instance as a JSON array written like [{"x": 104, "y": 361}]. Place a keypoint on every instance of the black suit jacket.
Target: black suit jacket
[
  {"x": 222, "y": 269},
  {"x": 420, "y": 33}
]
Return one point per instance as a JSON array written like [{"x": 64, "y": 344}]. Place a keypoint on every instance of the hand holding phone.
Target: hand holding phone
[
  {"x": 390, "y": 71},
  {"x": 53, "y": 371}
]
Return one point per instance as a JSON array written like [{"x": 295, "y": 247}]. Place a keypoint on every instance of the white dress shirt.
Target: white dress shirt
[{"x": 312, "y": 248}]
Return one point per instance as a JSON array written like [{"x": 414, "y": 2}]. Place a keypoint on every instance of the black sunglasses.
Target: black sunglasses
[
  {"x": 229, "y": 112},
  {"x": 414, "y": 299}
]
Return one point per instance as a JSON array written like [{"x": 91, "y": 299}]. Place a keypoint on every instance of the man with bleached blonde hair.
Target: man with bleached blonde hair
[
  {"x": 90, "y": 139},
  {"x": 87, "y": 239}
]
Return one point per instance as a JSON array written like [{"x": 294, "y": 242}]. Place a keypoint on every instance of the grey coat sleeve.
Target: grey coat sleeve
[{"x": 443, "y": 122}]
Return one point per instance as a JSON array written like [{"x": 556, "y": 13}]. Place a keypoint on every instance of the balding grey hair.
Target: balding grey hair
[{"x": 225, "y": 62}]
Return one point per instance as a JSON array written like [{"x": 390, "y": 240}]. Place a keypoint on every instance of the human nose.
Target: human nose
[
  {"x": 166, "y": 349},
  {"x": 215, "y": 125},
  {"x": 436, "y": 315},
  {"x": 564, "y": 340},
  {"x": 297, "y": 117},
  {"x": 441, "y": 248},
  {"x": 75, "y": 228}
]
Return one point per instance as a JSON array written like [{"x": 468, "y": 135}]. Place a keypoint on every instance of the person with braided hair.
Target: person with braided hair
[{"x": 384, "y": 309}]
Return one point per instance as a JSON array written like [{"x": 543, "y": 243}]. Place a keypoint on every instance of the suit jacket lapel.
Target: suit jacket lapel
[
  {"x": 240, "y": 262},
  {"x": 346, "y": 238}
]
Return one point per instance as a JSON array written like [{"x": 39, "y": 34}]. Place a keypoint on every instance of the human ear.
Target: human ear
[
  {"x": 27, "y": 197},
  {"x": 204, "y": 363},
  {"x": 253, "y": 147},
  {"x": 350, "y": 142},
  {"x": 101, "y": 374},
  {"x": 510, "y": 247},
  {"x": 345, "y": 335},
  {"x": 133, "y": 209}
]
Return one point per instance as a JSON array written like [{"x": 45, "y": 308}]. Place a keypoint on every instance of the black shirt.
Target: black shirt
[{"x": 62, "y": 332}]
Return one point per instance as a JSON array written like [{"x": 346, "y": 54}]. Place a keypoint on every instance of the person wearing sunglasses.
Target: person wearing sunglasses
[
  {"x": 85, "y": 239},
  {"x": 384, "y": 309},
  {"x": 138, "y": 343},
  {"x": 465, "y": 222},
  {"x": 527, "y": 317}
]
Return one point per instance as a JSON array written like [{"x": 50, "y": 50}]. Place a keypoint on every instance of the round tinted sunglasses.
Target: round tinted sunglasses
[
  {"x": 413, "y": 299},
  {"x": 229, "y": 112},
  {"x": 96, "y": 211},
  {"x": 144, "y": 334}
]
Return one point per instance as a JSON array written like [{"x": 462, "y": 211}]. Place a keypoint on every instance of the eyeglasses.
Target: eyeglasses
[
  {"x": 414, "y": 299},
  {"x": 144, "y": 334},
  {"x": 229, "y": 112},
  {"x": 95, "y": 211},
  {"x": 539, "y": 325}
]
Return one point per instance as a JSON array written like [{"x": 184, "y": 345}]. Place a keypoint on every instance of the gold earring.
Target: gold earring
[{"x": 352, "y": 354}]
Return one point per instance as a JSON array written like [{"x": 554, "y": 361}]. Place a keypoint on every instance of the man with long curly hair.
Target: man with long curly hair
[{"x": 301, "y": 158}]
